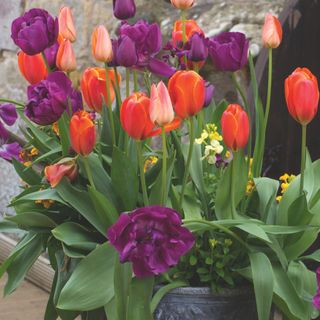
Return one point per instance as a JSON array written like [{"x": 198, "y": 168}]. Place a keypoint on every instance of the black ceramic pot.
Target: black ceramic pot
[{"x": 200, "y": 304}]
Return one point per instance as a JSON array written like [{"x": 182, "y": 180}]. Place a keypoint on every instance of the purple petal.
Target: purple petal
[
  {"x": 10, "y": 151},
  {"x": 8, "y": 113},
  {"x": 161, "y": 68}
]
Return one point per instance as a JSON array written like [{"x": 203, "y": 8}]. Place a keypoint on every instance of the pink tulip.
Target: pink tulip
[
  {"x": 101, "y": 45},
  {"x": 161, "y": 110},
  {"x": 66, "y": 25},
  {"x": 66, "y": 60},
  {"x": 183, "y": 4},
  {"x": 271, "y": 32}
]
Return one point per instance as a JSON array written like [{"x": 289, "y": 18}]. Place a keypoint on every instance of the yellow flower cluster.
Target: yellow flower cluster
[
  {"x": 150, "y": 162},
  {"x": 211, "y": 138},
  {"x": 27, "y": 155},
  {"x": 46, "y": 203},
  {"x": 285, "y": 179}
]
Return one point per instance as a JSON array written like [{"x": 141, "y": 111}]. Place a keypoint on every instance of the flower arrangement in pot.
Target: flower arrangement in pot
[{"x": 123, "y": 221}]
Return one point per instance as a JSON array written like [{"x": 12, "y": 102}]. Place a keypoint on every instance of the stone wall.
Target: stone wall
[{"x": 214, "y": 16}]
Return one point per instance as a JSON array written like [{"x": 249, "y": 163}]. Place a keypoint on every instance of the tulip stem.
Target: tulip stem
[
  {"x": 164, "y": 167},
  {"x": 266, "y": 116},
  {"x": 186, "y": 171},
  {"x": 135, "y": 81},
  {"x": 88, "y": 171},
  {"x": 184, "y": 33},
  {"x": 127, "y": 82},
  {"x": 303, "y": 156},
  {"x": 45, "y": 61},
  {"x": 233, "y": 180},
  {"x": 20, "y": 104},
  {"x": 109, "y": 106},
  {"x": 142, "y": 176}
]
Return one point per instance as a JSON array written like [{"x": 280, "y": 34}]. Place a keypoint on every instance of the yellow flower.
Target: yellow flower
[
  {"x": 279, "y": 198},
  {"x": 150, "y": 162},
  {"x": 250, "y": 186},
  {"x": 55, "y": 129},
  {"x": 27, "y": 163},
  {"x": 203, "y": 137},
  {"x": 46, "y": 203},
  {"x": 286, "y": 179},
  {"x": 33, "y": 152},
  {"x": 228, "y": 154}
]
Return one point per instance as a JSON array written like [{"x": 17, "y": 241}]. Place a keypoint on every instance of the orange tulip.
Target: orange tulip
[
  {"x": 32, "y": 68},
  {"x": 93, "y": 87},
  {"x": 66, "y": 60},
  {"x": 235, "y": 127},
  {"x": 271, "y": 32},
  {"x": 101, "y": 45},
  {"x": 66, "y": 25},
  {"x": 65, "y": 168},
  {"x": 183, "y": 4},
  {"x": 191, "y": 28},
  {"x": 82, "y": 133},
  {"x": 302, "y": 95},
  {"x": 187, "y": 91}
]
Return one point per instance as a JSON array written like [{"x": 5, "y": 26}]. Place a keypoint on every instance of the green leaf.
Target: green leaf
[
  {"x": 218, "y": 111},
  {"x": 254, "y": 230},
  {"x": 8, "y": 226},
  {"x": 91, "y": 284},
  {"x": 75, "y": 235},
  {"x": 163, "y": 291},
  {"x": 32, "y": 220},
  {"x": 64, "y": 133},
  {"x": 315, "y": 256},
  {"x": 139, "y": 299},
  {"x": 51, "y": 311},
  {"x": 27, "y": 174},
  {"x": 262, "y": 276},
  {"x": 281, "y": 230},
  {"x": 80, "y": 201},
  {"x": 125, "y": 180}
]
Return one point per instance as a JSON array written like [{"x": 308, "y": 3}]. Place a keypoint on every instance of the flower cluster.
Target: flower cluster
[{"x": 285, "y": 179}]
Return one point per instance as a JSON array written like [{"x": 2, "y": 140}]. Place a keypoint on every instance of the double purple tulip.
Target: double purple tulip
[
  {"x": 35, "y": 31},
  {"x": 124, "y": 9},
  {"x": 48, "y": 99}
]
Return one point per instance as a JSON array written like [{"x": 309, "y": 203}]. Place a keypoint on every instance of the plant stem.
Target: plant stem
[
  {"x": 142, "y": 176},
  {"x": 303, "y": 155},
  {"x": 127, "y": 82},
  {"x": 184, "y": 33},
  {"x": 266, "y": 116},
  {"x": 233, "y": 173},
  {"x": 186, "y": 172},
  {"x": 117, "y": 86},
  {"x": 88, "y": 171},
  {"x": 200, "y": 119},
  {"x": 109, "y": 106},
  {"x": 45, "y": 61},
  {"x": 135, "y": 81},
  {"x": 164, "y": 167},
  {"x": 20, "y": 104}
]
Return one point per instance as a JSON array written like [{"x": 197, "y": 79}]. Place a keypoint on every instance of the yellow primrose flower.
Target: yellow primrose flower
[
  {"x": 150, "y": 162},
  {"x": 203, "y": 137},
  {"x": 286, "y": 179},
  {"x": 33, "y": 152},
  {"x": 250, "y": 186},
  {"x": 27, "y": 163},
  {"x": 46, "y": 203}
]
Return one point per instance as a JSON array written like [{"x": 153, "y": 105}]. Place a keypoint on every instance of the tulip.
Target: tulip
[
  {"x": 65, "y": 168},
  {"x": 271, "y": 32},
  {"x": 93, "y": 87},
  {"x": 32, "y": 68},
  {"x": 235, "y": 127},
  {"x": 124, "y": 9},
  {"x": 198, "y": 49},
  {"x": 82, "y": 133},
  {"x": 101, "y": 44},
  {"x": 66, "y": 25},
  {"x": 135, "y": 116},
  {"x": 126, "y": 52},
  {"x": 161, "y": 110},
  {"x": 209, "y": 94},
  {"x": 187, "y": 91},
  {"x": 183, "y": 4},
  {"x": 302, "y": 95},
  {"x": 191, "y": 28},
  {"x": 66, "y": 60}
]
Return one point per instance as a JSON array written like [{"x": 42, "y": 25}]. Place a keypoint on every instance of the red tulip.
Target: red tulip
[
  {"x": 187, "y": 91},
  {"x": 302, "y": 95},
  {"x": 271, "y": 32},
  {"x": 235, "y": 127},
  {"x": 93, "y": 87},
  {"x": 32, "y": 67},
  {"x": 82, "y": 133},
  {"x": 64, "y": 168},
  {"x": 191, "y": 28}
]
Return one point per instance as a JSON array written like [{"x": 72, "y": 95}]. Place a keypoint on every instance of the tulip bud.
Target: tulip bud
[
  {"x": 187, "y": 91},
  {"x": 198, "y": 50},
  {"x": 235, "y": 127},
  {"x": 66, "y": 25},
  {"x": 64, "y": 168},
  {"x": 161, "y": 110},
  {"x": 183, "y": 4},
  {"x": 101, "y": 44},
  {"x": 82, "y": 133},
  {"x": 93, "y": 87},
  {"x": 66, "y": 60},
  {"x": 209, "y": 94},
  {"x": 32, "y": 68},
  {"x": 271, "y": 32},
  {"x": 124, "y": 9},
  {"x": 302, "y": 95}
]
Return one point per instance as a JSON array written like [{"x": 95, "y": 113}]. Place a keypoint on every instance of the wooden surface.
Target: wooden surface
[{"x": 28, "y": 302}]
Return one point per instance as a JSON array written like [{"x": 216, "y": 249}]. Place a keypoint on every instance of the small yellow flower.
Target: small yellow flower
[
  {"x": 33, "y": 152},
  {"x": 46, "y": 203},
  {"x": 279, "y": 198},
  {"x": 150, "y": 162},
  {"x": 286, "y": 179},
  {"x": 228, "y": 154},
  {"x": 55, "y": 129},
  {"x": 27, "y": 163},
  {"x": 250, "y": 186},
  {"x": 213, "y": 243},
  {"x": 203, "y": 137}
]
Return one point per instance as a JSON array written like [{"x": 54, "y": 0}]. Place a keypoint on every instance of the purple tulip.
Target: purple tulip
[
  {"x": 124, "y": 9},
  {"x": 209, "y": 94},
  {"x": 152, "y": 238},
  {"x": 316, "y": 298},
  {"x": 48, "y": 99},
  {"x": 10, "y": 151},
  {"x": 51, "y": 55},
  {"x": 8, "y": 116},
  {"x": 35, "y": 31},
  {"x": 229, "y": 51},
  {"x": 126, "y": 53},
  {"x": 198, "y": 49}
]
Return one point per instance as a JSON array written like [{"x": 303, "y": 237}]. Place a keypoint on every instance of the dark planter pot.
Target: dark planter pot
[{"x": 200, "y": 304}]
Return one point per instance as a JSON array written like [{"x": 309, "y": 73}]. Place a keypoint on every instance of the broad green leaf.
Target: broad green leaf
[
  {"x": 48, "y": 155},
  {"x": 262, "y": 276},
  {"x": 64, "y": 133},
  {"x": 140, "y": 298},
  {"x": 124, "y": 180},
  {"x": 254, "y": 230},
  {"x": 315, "y": 256},
  {"x": 282, "y": 230},
  {"x": 75, "y": 235},
  {"x": 51, "y": 311},
  {"x": 91, "y": 284},
  {"x": 8, "y": 226},
  {"x": 218, "y": 111},
  {"x": 27, "y": 174},
  {"x": 32, "y": 220}
]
